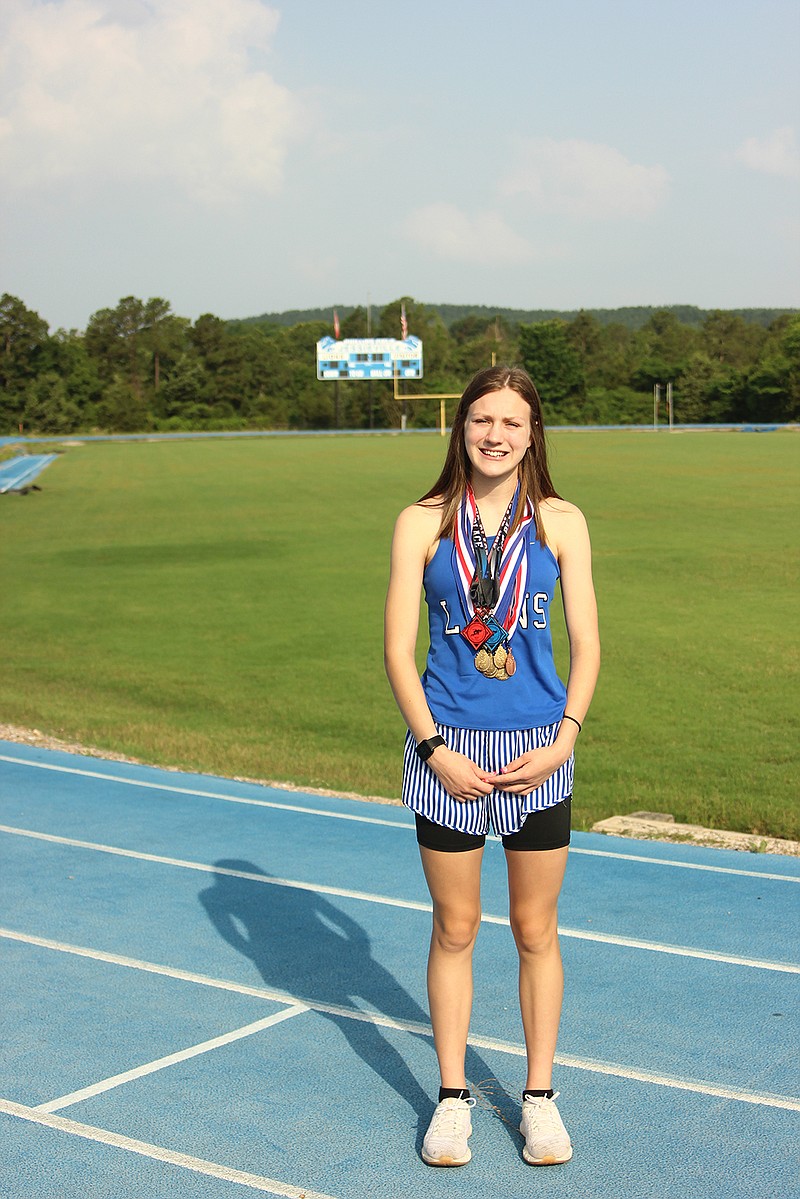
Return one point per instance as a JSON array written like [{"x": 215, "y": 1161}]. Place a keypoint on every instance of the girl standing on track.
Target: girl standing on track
[{"x": 491, "y": 726}]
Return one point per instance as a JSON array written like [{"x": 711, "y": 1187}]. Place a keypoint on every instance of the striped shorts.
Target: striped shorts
[{"x": 490, "y": 750}]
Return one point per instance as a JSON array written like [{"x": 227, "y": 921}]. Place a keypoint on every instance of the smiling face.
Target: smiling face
[{"x": 497, "y": 433}]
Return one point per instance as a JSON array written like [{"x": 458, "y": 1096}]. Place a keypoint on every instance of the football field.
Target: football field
[{"x": 217, "y": 605}]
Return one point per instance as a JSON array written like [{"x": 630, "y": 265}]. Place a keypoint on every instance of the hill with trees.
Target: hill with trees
[
  {"x": 140, "y": 367},
  {"x": 631, "y": 318}
]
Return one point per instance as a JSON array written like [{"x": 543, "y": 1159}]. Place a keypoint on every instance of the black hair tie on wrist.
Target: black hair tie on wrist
[{"x": 574, "y": 721}]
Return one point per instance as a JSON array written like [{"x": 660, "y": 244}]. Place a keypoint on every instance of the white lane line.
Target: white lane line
[
  {"x": 681, "y": 951},
  {"x": 634, "y": 857},
  {"x": 697, "y": 1086},
  {"x": 204, "y": 868},
  {"x": 118, "y": 1080},
  {"x": 684, "y": 951},
  {"x": 786, "y": 1102},
  {"x": 238, "y": 799},
  {"x": 269, "y": 1186},
  {"x": 404, "y": 825},
  {"x": 221, "y": 984}
]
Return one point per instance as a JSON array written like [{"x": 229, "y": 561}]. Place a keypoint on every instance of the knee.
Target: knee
[
  {"x": 455, "y": 932},
  {"x": 535, "y": 935}
]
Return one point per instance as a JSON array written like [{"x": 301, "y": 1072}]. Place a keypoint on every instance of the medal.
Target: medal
[
  {"x": 483, "y": 660},
  {"x": 484, "y": 664},
  {"x": 477, "y": 632},
  {"x": 491, "y": 584},
  {"x": 485, "y": 632},
  {"x": 494, "y": 664}
]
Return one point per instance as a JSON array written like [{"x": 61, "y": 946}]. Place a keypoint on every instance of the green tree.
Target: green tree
[
  {"x": 552, "y": 362},
  {"x": 470, "y": 328},
  {"x": 48, "y": 408},
  {"x": 663, "y": 347},
  {"x": 184, "y": 393},
  {"x": 123, "y": 409},
  {"x": 478, "y": 342},
  {"x": 67, "y": 356},
  {"x": 164, "y": 336},
  {"x": 701, "y": 391},
  {"x": 584, "y": 335},
  {"x": 310, "y": 402},
  {"x": 23, "y": 341},
  {"x": 354, "y": 324},
  {"x": 612, "y": 361},
  {"x": 114, "y": 338},
  {"x": 729, "y": 341},
  {"x": 225, "y": 359},
  {"x": 442, "y": 374},
  {"x": 430, "y": 328},
  {"x": 773, "y": 386}
]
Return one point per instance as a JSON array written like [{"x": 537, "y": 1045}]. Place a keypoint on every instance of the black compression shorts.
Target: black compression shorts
[{"x": 545, "y": 829}]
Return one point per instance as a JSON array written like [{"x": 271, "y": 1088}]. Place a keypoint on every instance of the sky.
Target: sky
[{"x": 239, "y": 157}]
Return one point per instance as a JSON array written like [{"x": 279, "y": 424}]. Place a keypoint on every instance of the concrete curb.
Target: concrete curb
[{"x": 653, "y": 826}]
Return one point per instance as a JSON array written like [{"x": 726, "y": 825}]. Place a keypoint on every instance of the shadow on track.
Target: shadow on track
[{"x": 304, "y": 945}]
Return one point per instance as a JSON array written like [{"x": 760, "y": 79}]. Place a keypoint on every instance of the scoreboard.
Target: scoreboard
[{"x": 369, "y": 358}]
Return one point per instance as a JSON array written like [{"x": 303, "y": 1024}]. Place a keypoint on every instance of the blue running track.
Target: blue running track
[{"x": 212, "y": 988}]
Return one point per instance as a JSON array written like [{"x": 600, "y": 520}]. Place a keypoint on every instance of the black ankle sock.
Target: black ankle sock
[
  {"x": 538, "y": 1094},
  {"x": 453, "y": 1093}
]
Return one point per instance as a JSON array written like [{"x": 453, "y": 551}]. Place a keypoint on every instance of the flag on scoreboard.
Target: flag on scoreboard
[
  {"x": 403, "y": 322},
  {"x": 336, "y": 328}
]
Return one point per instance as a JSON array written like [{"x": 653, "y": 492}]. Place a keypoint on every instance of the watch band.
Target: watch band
[{"x": 426, "y": 748}]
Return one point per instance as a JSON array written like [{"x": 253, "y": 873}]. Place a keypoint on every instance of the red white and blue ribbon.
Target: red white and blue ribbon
[{"x": 513, "y": 574}]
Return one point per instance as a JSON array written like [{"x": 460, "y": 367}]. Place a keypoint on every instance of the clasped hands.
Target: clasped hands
[{"x": 464, "y": 780}]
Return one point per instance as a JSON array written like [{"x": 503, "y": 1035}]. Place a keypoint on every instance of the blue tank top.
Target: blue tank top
[{"x": 460, "y": 695}]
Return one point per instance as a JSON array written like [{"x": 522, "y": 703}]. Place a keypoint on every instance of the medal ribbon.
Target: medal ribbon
[
  {"x": 485, "y": 587},
  {"x": 512, "y": 576}
]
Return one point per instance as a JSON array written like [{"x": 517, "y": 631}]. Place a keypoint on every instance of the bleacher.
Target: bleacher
[{"x": 19, "y": 474}]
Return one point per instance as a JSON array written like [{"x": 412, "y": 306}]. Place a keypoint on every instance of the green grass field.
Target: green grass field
[{"x": 217, "y": 605}]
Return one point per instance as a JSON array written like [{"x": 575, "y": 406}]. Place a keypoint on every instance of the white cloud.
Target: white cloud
[
  {"x": 99, "y": 90},
  {"x": 585, "y": 179},
  {"x": 776, "y": 154},
  {"x": 483, "y": 239}
]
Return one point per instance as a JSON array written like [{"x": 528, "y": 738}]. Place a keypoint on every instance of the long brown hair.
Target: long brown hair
[{"x": 534, "y": 475}]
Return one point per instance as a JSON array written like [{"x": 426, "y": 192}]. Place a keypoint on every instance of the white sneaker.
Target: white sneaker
[
  {"x": 547, "y": 1141},
  {"x": 445, "y": 1141}
]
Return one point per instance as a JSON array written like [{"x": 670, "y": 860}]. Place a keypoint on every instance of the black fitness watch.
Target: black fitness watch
[{"x": 426, "y": 748}]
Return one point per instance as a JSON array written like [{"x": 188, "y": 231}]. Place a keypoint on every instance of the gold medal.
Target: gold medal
[
  {"x": 483, "y": 659},
  {"x": 498, "y": 665}
]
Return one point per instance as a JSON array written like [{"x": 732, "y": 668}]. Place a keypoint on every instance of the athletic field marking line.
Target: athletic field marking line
[
  {"x": 270, "y": 1186},
  {"x": 636, "y": 857},
  {"x": 614, "y": 1069},
  {"x": 406, "y": 826},
  {"x": 237, "y": 799},
  {"x": 118, "y": 1080},
  {"x": 413, "y": 905}
]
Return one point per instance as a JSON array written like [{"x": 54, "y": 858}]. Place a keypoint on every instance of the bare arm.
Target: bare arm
[
  {"x": 580, "y": 611},
  {"x": 414, "y": 538}
]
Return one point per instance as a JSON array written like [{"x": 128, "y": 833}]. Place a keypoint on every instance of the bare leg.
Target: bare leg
[
  {"x": 454, "y": 881},
  {"x": 534, "y": 883}
]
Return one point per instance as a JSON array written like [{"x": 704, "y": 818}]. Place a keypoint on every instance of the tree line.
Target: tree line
[{"x": 140, "y": 367}]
